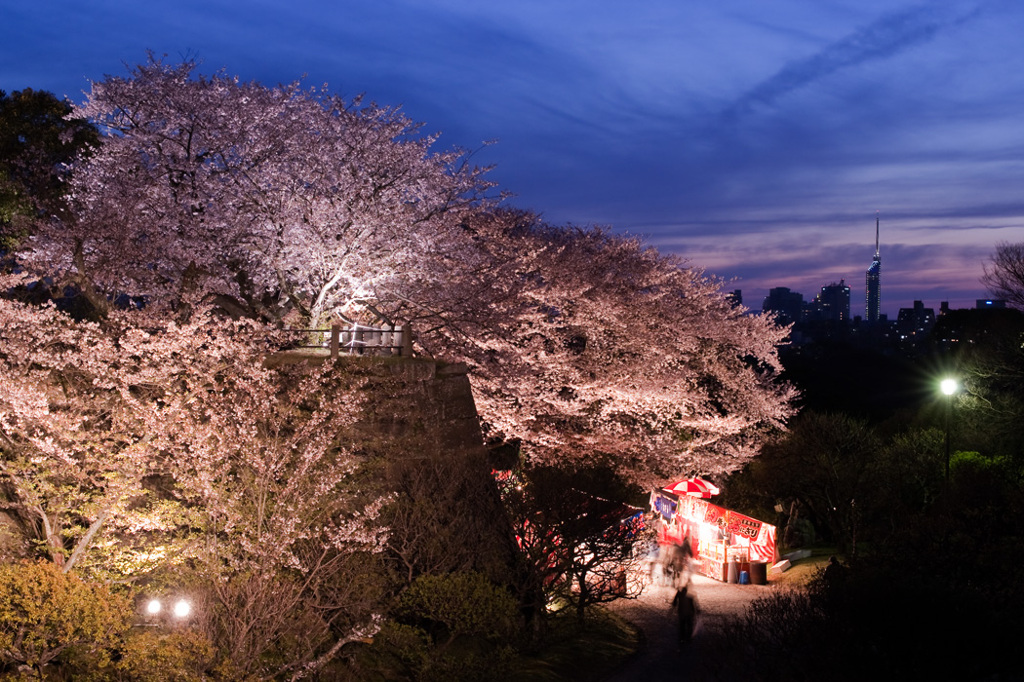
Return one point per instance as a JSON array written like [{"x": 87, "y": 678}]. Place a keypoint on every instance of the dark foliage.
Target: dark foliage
[
  {"x": 855, "y": 379},
  {"x": 935, "y": 593},
  {"x": 576, "y": 537},
  {"x": 37, "y": 145},
  {"x": 936, "y": 604}
]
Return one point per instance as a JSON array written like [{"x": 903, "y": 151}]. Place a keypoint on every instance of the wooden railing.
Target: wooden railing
[{"x": 357, "y": 339}]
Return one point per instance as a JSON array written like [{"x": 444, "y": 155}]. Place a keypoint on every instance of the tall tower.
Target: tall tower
[{"x": 874, "y": 284}]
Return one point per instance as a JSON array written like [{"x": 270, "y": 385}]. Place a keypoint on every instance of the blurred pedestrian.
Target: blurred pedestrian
[
  {"x": 679, "y": 563},
  {"x": 686, "y": 610}
]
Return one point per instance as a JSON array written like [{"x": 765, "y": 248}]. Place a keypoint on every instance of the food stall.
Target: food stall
[{"x": 724, "y": 543}]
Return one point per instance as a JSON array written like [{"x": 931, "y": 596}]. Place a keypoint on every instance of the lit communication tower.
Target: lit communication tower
[{"x": 873, "y": 282}]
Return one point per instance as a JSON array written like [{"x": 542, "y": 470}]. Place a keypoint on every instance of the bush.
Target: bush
[
  {"x": 867, "y": 623},
  {"x": 458, "y": 626},
  {"x": 47, "y": 616},
  {"x": 176, "y": 657},
  {"x": 458, "y": 605}
]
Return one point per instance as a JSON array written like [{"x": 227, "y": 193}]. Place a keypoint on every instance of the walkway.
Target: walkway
[{"x": 661, "y": 657}]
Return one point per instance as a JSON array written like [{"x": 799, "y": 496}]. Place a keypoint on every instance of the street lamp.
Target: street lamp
[
  {"x": 182, "y": 609},
  {"x": 948, "y": 387}
]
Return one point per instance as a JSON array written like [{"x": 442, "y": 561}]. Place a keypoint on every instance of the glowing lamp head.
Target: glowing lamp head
[
  {"x": 153, "y": 607},
  {"x": 182, "y": 609},
  {"x": 948, "y": 386}
]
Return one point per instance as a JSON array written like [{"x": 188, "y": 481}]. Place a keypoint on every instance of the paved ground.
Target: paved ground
[{"x": 661, "y": 657}]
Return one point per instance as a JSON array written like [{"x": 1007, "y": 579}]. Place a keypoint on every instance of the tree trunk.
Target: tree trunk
[
  {"x": 53, "y": 542},
  {"x": 581, "y": 602},
  {"x": 83, "y": 543},
  {"x": 83, "y": 282}
]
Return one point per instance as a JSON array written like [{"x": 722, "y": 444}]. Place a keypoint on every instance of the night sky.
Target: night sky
[{"x": 756, "y": 139}]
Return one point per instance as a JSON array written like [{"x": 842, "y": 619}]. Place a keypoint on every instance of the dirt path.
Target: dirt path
[{"x": 661, "y": 657}]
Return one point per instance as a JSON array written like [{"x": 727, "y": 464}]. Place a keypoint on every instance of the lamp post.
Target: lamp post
[{"x": 948, "y": 387}]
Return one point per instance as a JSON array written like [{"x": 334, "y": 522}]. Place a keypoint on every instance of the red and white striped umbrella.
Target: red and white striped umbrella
[{"x": 694, "y": 487}]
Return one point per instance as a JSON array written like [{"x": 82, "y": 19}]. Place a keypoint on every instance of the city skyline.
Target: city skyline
[
  {"x": 873, "y": 292},
  {"x": 825, "y": 304},
  {"x": 756, "y": 141}
]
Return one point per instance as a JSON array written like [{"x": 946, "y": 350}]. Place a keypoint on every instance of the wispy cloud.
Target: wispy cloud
[{"x": 886, "y": 36}]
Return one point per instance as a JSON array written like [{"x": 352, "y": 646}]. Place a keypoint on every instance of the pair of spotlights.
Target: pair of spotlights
[{"x": 181, "y": 608}]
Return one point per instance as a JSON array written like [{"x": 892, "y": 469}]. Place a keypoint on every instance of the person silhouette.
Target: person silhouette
[{"x": 686, "y": 610}]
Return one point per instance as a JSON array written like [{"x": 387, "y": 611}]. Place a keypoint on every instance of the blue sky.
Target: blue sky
[{"x": 756, "y": 139}]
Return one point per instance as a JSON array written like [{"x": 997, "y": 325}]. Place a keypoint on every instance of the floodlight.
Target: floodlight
[{"x": 182, "y": 608}]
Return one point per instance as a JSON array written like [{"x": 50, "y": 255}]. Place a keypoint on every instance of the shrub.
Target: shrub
[
  {"x": 457, "y": 626},
  {"x": 46, "y": 615},
  {"x": 175, "y": 657},
  {"x": 459, "y": 604}
]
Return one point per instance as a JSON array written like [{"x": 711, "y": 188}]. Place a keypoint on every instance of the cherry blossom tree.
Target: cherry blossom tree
[
  {"x": 132, "y": 448},
  {"x": 269, "y": 199},
  {"x": 76, "y": 451},
  {"x": 610, "y": 351},
  {"x": 265, "y": 461}
]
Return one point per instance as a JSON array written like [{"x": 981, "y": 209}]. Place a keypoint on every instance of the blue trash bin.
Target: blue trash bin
[{"x": 744, "y": 578}]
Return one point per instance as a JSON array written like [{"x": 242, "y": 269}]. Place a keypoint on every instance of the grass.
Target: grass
[
  {"x": 583, "y": 655},
  {"x": 803, "y": 570}
]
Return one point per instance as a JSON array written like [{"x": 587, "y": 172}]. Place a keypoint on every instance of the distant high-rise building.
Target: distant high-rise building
[
  {"x": 873, "y": 283},
  {"x": 787, "y": 305},
  {"x": 915, "y": 322},
  {"x": 833, "y": 303},
  {"x": 735, "y": 298}
]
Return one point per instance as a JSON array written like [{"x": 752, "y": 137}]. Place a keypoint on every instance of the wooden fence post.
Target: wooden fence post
[
  {"x": 406, "y": 349},
  {"x": 335, "y": 338}
]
